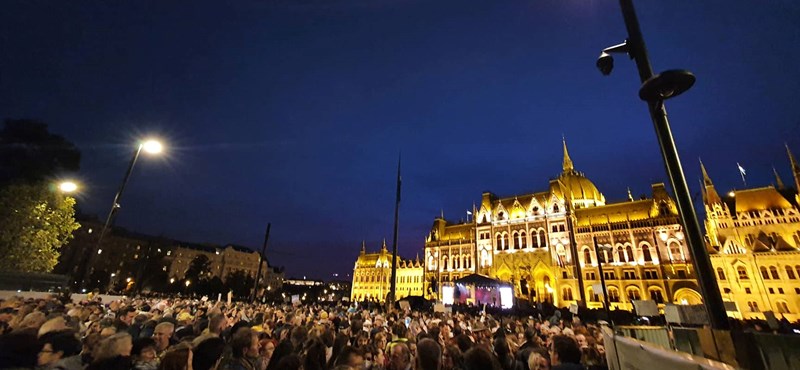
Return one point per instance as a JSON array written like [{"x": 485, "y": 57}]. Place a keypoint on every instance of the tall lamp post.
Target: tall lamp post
[
  {"x": 655, "y": 89},
  {"x": 150, "y": 147}
]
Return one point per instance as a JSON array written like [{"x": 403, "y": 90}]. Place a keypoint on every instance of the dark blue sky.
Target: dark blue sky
[{"x": 293, "y": 112}]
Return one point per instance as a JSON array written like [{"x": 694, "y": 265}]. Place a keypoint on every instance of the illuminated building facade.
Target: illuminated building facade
[
  {"x": 373, "y": 271},
  {"x": 223, "y": 262},
  {"x": 754, "y": 241},
  {"x": 544, "y": 244}
]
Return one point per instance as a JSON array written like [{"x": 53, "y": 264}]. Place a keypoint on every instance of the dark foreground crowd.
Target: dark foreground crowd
[{"x": 184, "y": 334}]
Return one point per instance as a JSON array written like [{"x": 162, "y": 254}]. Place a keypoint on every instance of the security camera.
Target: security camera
[{"x": 605, "y": 63}]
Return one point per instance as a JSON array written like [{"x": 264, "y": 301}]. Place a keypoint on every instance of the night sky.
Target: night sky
[{"x": 295, "y": 112}]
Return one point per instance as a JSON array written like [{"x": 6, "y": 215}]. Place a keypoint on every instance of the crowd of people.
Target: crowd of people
[{"x": 198, "y": 334}]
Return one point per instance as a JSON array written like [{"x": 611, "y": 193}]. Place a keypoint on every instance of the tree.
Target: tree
[
  {"x": 30, "y": 153},
  {"x": 35, "y": 221},
  {"x": 199, "y": 269},
  {"x": 239, "y": 282}
]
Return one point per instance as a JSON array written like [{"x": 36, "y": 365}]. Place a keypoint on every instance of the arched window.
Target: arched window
[
  {"x": 587, "y": 256},
  {"x": 591, "y": 296},
  {"x": 606, "y": 256},
  {"x": 629, "y": 253},
  {"x": 764, "y": 273},
  {"x": 445, "y": 266},
  {"x": 484, "y": 258},
  {"x": 656, "y": 295},
  {"x": 753, "y": 306},
  {"x": 567, "y": 296},
  {"x": 620, "y": 254},
  {"x": 797, "y": 268},
  {"x": 456, "y": 261},
  {"x": 499, "y": 242},
  {"x": 431, "y": 265},
  {"x": 675, "y": 252},
  {"x": 774, "y": 272},
  {"x": 505, "y": 241},
  {"x": 555, "y": 208},
  {"x": 613, "y": 294},
  {"x": 633, "y": 294},
  {"x": 720, "y": 273},
  {"x": 515, "y": 240},
  {"x": 646, "y": 253},
  {"x": 561, "y": 255},
  {"x": 790, "y": 273},
  {"x": 782, "y": 307},
  {"x": 535, "y": 242},
  {"x": 742, "y": 273},
  {"x": 523, "y": 239}
]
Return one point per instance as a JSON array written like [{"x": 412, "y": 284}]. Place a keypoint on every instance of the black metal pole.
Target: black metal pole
[
  {"x": 694, "y": 237},
  {"x": 261, "y": 258},
  {"x": 392, "y": 286},
  {"x": 86, "y": 261},
  {"x": 602, "y": 277}
]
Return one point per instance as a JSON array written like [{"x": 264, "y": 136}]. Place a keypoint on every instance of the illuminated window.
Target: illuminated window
[
  {"x": 629, "y": 253},
  {"x": 567, "y": 294},
  {"x": 774, "y": 272},
  {"x": 720, "y": 273},
  {"x": 523, "y": 239},
  {"x": 782, "y": 307},
  {"x": 613, "y": 294},
  {"x": 656, "y": 295},
  {"x": 742, "y": 273},
  {"x": 790, "y": 273},
  {"x": 764, "y": 273},
  {"x": 633, "y": 294},
  {"x": 646, "y": 253},
  {"x": 753, "y": 306},
  {"x": 587, "y": 256}
]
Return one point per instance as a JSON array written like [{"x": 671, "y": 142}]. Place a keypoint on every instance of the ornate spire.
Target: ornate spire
[
  {"x": 778, "y": 180},
  {"x": 567, "y": 166},
  {"x": 384, "y": 244},
  {"x": 630, "y": 196},
  {"x": 795, "y": 168},
  {"x": 711, "y": 196},
  {"x": 363, "y": 247}
]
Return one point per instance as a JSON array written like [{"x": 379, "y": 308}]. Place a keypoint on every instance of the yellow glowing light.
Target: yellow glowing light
[
  {"x": 188, "y": 282},
  {"x": 67, "y": 186},
  {"x": 152, "y": 146},
  {"x": 731, "y": 194}
]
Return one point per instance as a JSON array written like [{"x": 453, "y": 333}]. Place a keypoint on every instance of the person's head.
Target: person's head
[
  {"x": 400, "y": 357},
  {"x": 208, "y": 353},
  {"x": 162, "y": 334},
  {"x": 536, "y": 361},
  {"x": 399, "y": 330},
  {"x": 244, "y": 343},
  {"x": 178, "y": 358},
  {"x": 564, "y": 350},
  {"x": 290, "y": 362},
  {"x": 217, "y": 322},
  {"x": 452, "y": 357},
  {"x": 127, "y": 315},
  {"x": 429, "y": 355},
  {"x": 55, "y": 324},
  {"x": 380, "y": 340},
  {"x": 119, "y": 344},
  {"x": 581, "y": 339},
  {"x": 57, "y": 345},
  {"x": 351, "y": 356},
  {"x": 479, "y": 358},
  {"x": 144, "y": 349}
]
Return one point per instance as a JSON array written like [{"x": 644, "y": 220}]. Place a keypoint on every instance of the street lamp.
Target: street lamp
[
  {"x": 149, "y": 146},
  {"x": 655, "y": 89},
  {"x": 67, "y": 187}
]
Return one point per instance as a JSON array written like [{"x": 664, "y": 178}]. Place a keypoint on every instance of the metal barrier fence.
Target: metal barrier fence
[{"x": 754, "y": 351}]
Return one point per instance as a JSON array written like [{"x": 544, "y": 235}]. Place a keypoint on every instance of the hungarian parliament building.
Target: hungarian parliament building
[{"x": 552, "y": 245}]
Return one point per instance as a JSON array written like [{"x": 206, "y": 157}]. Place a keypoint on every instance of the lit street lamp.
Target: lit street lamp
[
  {"x": 655, "y": 89},
  {"x": 67, "y": 187},
  {"x": 149, "y": 146}
]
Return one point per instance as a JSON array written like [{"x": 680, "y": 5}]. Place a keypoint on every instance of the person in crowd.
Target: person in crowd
[
  {"x": 60, "y": 350},
  {"x": 207, "y": 354},
  {"x": 177, "y": 358},
  {"x": 144, "y": 355},
  {"x": 162, "y": 335},
  {"x": 429, "y": 355},
  {"x": 565, "y": 354},
  {"x": 400, "y": 357},
  {"x": 244, "y": 351}
]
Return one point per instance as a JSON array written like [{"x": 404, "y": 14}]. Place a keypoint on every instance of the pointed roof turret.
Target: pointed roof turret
[
  {"x": 363, "y": 247},
  {"x": 630, "y": 196},
  {"x": 778, "y": 180},
  {"x": 711, "y": 196},
  {"x": 795, "y": 168},
  {"x": 384, "y": 244},
  {"x": 567, "y": 166}
]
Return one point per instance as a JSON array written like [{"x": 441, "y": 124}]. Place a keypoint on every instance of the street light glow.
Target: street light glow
[
  {"x": 67, "y": 186},
  {"x": 152, "y": 146}
]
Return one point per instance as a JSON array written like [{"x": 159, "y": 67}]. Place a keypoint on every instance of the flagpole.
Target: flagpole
[{"x": 392, "y": 287}]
